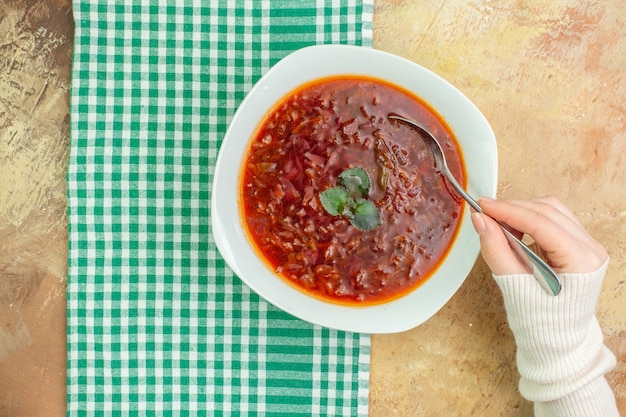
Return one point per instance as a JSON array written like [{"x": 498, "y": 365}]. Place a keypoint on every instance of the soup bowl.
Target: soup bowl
[{"x": 477, "y": 147}]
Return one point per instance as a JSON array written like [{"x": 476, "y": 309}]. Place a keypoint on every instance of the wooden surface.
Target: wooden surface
[{"x": 550, "y": 76}]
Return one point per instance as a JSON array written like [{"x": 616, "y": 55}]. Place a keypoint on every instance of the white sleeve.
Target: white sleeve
[{"x": 561, "y": 356}]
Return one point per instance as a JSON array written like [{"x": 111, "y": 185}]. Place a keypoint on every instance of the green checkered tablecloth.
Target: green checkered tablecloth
[{"x": 157, "y": 323}]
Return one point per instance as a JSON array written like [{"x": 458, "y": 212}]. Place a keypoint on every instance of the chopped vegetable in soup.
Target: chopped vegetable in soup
[{"x": 301, "y": 149}]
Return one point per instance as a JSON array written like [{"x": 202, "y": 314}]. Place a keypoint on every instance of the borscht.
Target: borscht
[{"x": 300, "y": 150}]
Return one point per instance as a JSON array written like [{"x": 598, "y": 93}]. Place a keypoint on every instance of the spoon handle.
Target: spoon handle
[{"x": 548, "y": 279}]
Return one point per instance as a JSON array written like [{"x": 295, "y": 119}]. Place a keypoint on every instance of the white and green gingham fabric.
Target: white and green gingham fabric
[{"x": 157, "y": 323}]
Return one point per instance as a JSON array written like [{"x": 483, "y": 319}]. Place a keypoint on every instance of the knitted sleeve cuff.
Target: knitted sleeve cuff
[
  {"x": 559, "y": 340},
  {"x": 594, "y": 399}
]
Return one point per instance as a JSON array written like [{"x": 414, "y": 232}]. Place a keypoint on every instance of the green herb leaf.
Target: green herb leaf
[
  {"x": 334, "y": 200},
  {"x": 356, "y": 182},
  {"x": 347, "y": 199},
  {"x": 366, "y": 215},
  {"x": 350, "y": 208}
]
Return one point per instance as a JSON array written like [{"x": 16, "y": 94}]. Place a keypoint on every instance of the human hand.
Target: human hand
[
  {"x": 560, "y": 354},
  {"x": 566, "y": 245}
]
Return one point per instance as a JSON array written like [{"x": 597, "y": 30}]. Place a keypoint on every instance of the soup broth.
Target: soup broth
[{"x": 299, "y": 150}]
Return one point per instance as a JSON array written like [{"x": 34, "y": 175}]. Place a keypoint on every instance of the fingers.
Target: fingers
[
  {"x": 566, "y": 244},
  {"x": 557, "y": 204},
  {"x": 553, "y": 210},
  {"x": 494, "y": 247}
]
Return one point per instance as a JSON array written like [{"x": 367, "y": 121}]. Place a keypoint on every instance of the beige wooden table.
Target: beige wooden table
[{"x": 550, "y": 76}]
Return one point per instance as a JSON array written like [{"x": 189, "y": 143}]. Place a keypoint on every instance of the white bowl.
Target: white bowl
[{"x": 478, "y": 147}]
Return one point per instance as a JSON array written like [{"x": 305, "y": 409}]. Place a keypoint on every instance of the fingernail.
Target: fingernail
[{"x": 479, "y": 223}]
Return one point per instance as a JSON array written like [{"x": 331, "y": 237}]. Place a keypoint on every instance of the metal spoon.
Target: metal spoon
[{"x": 542, "y": 271}]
